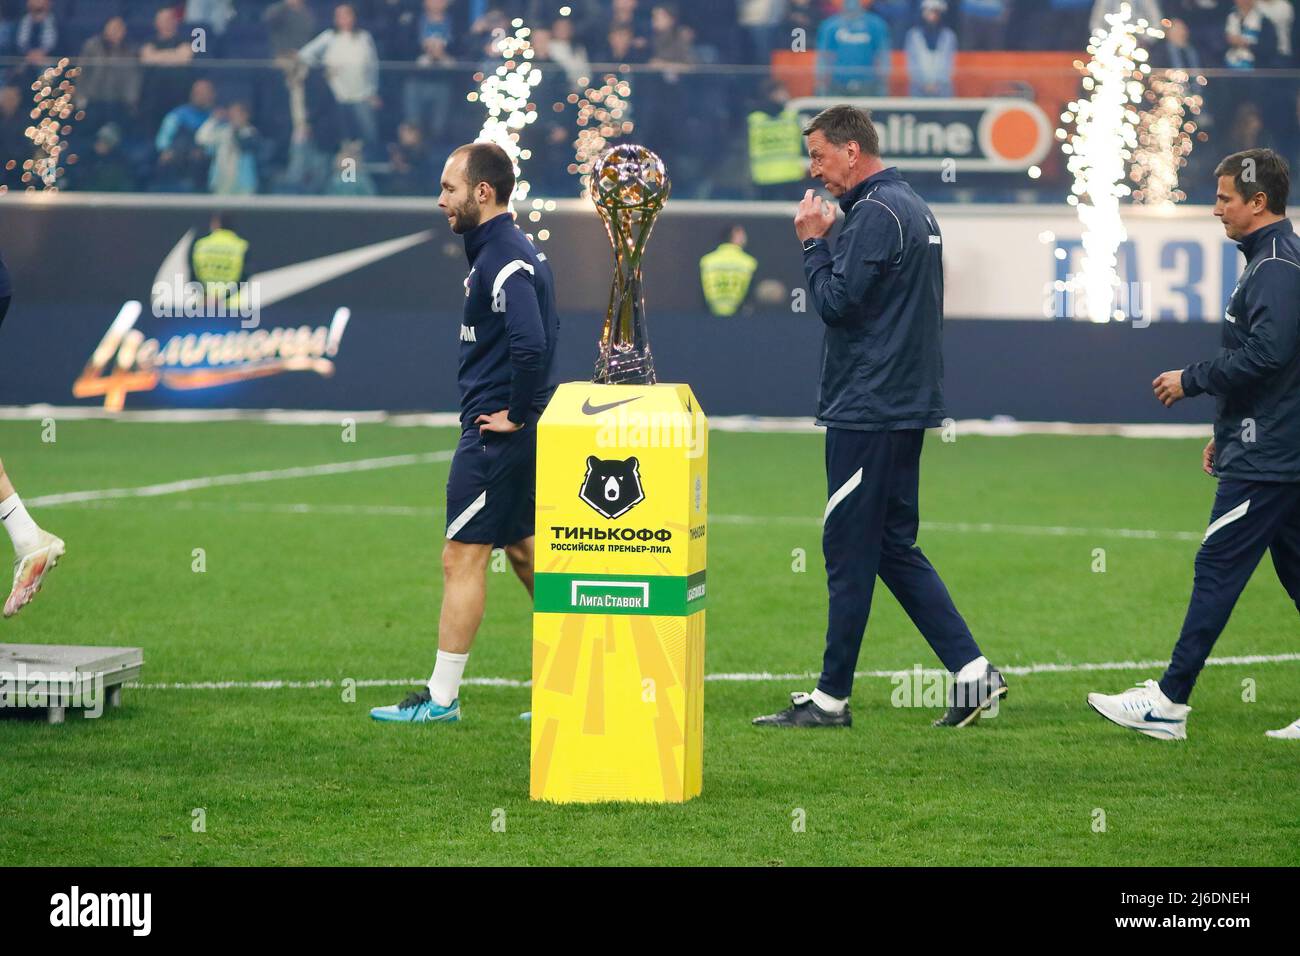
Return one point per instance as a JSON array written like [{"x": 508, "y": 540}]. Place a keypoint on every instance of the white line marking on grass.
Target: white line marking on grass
[
  {"x": 244, "y": 478},
  {"x": 759, "y": 677}
]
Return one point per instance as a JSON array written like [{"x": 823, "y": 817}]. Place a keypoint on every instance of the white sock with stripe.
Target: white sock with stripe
[
  {"x": 832, "y": 705},
  {"x": 448, "y": 670},
  {"x": 23, "y": 531}
]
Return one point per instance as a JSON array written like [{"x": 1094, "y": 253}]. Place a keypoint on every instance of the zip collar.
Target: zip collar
[
  {"x": 1262, "y": 239},
  {"x": 888, "y": 174},
  {"x": 479, "y": 236}
]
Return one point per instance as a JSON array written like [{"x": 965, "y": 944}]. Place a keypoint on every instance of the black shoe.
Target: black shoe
[
  {"x": 967, "y": 701},
  {"x": 802, "y": 712}
]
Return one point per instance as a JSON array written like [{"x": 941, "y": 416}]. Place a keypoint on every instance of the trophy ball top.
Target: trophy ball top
[{"x": 630, "y": 176}]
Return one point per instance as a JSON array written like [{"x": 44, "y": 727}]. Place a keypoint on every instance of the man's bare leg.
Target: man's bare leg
[
  {"x": 464, "y": 592},
  {"x": 521, "y": 559},
  {"x": 37, "y": 551}
]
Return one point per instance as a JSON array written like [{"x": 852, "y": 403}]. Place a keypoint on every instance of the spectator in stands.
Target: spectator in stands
[
  {"x": 216, "y": 14},
  {"x": 1283, "y": 16},
  {"x": 307, "y": 171},
  {"x": 104, "y": 168},
  {"x": 290, "y": 24},
  {"x": 349, "y": 176},
  {"x": 759, "y": 19},
  {"x": 626, "y": 15},
  {"x": 481, "y": 32},
  {"x": 1175, "y": 51},
  {"x": 566, "y": 51},
  {"x": 351, "y": 65},
  {"x": 621, "y": 47},
  {"x": 853, "y": 52},
  {"x": 931, "y": 51},
  {"x": 427, "y": 93},
  {"x": 714, "y": 28},
  {"x": 901, "y": 15},
  {"x": 1204, "y": 19},
  {"x": 182, "y": 161},
  {"x": 412, "y": 163},
  {"x": 664, "y": 93},
  {"x": 110, "y": 91},
  {"x": 37, "y": 33},
  {"x": 799, "y": 26},
  {"x": 165, "y": 57},
  {"x": 670, "y": 43},
  {"x": 984, "y": 24},
  {"x": 1251, "y": 37},
  {"x": 1248, "y": 129},
  {"x": 234, "y": 145},
  {"x": 1063, "y": 25}
]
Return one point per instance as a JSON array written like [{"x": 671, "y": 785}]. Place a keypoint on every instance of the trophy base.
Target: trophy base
[{"x": 625, "y": 370}]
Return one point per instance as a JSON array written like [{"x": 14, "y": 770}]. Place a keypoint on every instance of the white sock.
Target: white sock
[
  {"x": 832, "y": 705},
  {"x": 444, "y": 685},
  {"x": 22, "y": 529},
  {"x": 974, "y": 670}
]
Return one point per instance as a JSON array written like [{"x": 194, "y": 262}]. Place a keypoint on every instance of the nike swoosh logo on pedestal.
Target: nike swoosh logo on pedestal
[{"x": 590, "y": 409}]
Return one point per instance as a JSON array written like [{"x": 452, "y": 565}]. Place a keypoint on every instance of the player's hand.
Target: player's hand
[
  {"x": 1169, "y": 387},
  {"x": 1207, "y": 458},
  {"x": 814, "y": 218},
  {"x": 497, "y": 422}
]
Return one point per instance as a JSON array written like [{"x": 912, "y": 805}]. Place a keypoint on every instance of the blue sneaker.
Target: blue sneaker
[{"x": 417, "y": 708}]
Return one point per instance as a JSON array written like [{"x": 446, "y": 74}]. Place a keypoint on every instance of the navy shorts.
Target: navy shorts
[{"x": 492, "y": 487}]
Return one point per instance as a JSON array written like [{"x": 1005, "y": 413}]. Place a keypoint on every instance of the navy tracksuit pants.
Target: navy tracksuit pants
[
  {"x": 871, "y": 521},
  {"x": 1248, "y": 518}
]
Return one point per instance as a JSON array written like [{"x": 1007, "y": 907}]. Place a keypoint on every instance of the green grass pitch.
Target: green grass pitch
[{"x": 337, "y": 576}]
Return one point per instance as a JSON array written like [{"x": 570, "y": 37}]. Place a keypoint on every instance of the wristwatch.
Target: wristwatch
[{"x": 808, "y": 244}]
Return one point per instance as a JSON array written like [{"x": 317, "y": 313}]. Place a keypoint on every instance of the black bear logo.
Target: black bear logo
[{"x": 612, "y": 487}]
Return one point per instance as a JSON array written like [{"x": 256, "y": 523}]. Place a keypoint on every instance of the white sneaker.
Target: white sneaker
[
  {"x": 30, "y": 570},
  {"x": 1289, "y": 732},
  {"x": 1146, "y": 709}
]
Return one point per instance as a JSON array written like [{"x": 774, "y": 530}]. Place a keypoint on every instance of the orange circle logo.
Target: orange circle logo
[{"x": 1015, "y": 134}]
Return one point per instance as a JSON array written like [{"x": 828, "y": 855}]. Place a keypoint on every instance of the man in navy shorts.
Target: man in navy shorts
[{"x": 507, "y": 355}]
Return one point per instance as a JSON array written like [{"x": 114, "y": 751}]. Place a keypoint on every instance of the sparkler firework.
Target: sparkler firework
[
  {"x": 1103, "y": 142},
  {"x": 53, "y": 93}
]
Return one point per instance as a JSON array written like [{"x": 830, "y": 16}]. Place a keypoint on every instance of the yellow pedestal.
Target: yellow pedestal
[{"x": 618, "y": 623}]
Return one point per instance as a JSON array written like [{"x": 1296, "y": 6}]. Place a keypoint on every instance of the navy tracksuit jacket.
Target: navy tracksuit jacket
[
  {"x": 511, "y": 325},
  {"x": 1255, "y": 380},
  {"x": 880, "y": 295}
]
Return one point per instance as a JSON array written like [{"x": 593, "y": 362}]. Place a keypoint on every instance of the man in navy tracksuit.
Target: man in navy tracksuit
[
  {"x": 507, "y": 356},
  {"x": 1255, "y": 452},
  {"x": 880, "y": 295}
]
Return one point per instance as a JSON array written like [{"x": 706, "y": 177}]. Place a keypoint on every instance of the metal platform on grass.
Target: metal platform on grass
[{"x": 57, "y": 677}]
